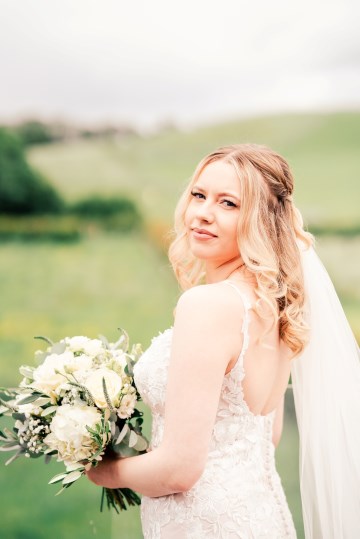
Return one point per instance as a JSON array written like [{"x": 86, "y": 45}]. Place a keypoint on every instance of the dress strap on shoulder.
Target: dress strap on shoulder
[
  {"x": 245, "y": 326},
  {"x": 245, "y": 299}
]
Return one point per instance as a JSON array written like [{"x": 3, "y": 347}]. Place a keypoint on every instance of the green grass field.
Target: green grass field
[
  {"x": 88, "y": 288},
  {"x": 107, "y": 280},
  {"x": 321, "y": 148}
]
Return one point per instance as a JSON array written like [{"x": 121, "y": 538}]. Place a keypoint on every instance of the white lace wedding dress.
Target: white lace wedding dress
[{"x": 239, "y": 494}]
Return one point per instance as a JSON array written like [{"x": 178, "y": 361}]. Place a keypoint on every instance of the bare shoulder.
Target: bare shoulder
[{"x": 216, "y": 302}]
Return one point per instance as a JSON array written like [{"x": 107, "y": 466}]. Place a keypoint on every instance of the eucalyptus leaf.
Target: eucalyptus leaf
[
  {"x": 58, "y": 348},
  {"x": 13, "y": 457},
  {"x": 122, "y": 434},
  {"x": 42, "y": 338},
  {"x": 27, "y": 371},
  {"x": 60, "y": 491},
  {"x": 10, "y": 446},
  {"x": 10, "y": 435},
  {"x": 17, "y": 415},
  {"x": 41, "y": 401},
  {"x": 141, "y": 444},
  {"x": 133, "y": 439},
  {"x": 122, "y": 342},
  {"x": 49, "y": 410},
  {"x": 125, "y": 451},
  {"x": 105, "y": 342},
  {"x": 114, "y": 430},
  {"x": 6, "y": 396},
  {"x": 50, "y": 451},
  {"x": 72, "y": 476},
  {"x": 129, "y": 365},
  {"x": 57, "y": 478},
  {"x": 30, "y": 398}
]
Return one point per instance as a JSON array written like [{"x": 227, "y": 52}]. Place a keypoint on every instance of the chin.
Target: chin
[{"x": 201, "y": 253}]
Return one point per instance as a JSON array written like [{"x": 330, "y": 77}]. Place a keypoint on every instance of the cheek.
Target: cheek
[
  {"x": 232, "y": 227},
  {"x": 189, "y": 213}
]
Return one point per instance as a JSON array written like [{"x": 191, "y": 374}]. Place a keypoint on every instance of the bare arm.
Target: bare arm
[{"x": 205, "y": 339}]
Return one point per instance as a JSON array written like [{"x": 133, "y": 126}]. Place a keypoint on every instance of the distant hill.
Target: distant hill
[{"x": 323, "y": 150}]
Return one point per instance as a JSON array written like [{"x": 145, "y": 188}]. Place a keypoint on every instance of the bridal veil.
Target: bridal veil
[{"x": 326, "y": 383}]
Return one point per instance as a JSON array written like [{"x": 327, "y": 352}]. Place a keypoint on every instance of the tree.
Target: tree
[
  {"x": 22, "y": 190},
  {"x": 34, "y": 132}
]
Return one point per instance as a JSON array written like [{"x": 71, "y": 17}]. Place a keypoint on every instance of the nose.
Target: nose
[{"x": 204, "y": 212}]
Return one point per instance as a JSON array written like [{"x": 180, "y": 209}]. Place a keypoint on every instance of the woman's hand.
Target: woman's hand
[{"x": 105, "y": 474}]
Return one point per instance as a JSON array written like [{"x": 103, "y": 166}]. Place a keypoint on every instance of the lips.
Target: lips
[{"x": 202, "y": 233}]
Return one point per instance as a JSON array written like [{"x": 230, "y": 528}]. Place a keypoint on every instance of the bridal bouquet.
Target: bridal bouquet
[{"x": 78, "y": 403}]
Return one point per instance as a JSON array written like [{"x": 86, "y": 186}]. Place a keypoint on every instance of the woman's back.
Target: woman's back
[
  {"x": 267, "y": 362},
  {"x": 239, "y": 493}
]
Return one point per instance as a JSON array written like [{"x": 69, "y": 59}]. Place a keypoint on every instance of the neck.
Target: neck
[{"x": 220, "y": 272}]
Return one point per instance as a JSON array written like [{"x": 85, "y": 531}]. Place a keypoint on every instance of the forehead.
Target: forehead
[{"x": 219, "y": 176}]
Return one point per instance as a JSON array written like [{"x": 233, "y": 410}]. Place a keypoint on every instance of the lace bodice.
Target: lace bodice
[{"x": 239, "y": 494}]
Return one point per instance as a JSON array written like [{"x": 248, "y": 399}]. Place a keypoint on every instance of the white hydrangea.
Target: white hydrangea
[{"x": 69, "y": 435}]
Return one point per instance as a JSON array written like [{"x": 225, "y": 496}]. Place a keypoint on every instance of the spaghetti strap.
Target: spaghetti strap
[
  {"x": 245, "y": 326},
  {"x": 246, "y": 301}
]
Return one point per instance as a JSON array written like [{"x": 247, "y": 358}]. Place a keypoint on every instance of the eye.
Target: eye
[
  {"x": 229, "y": 203},
  {"x": 196, "y": 194}
]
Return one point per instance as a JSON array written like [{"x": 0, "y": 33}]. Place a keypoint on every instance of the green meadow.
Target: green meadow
[
  {"x": 322, "y": 149},
  {"x": 108, "y": 280}
]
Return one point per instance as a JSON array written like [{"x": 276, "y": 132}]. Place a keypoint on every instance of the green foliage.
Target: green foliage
[
  {"x": 46, "y": 228},
  {"x": 103, "y": 207},
  {"x": 332, "y": 229},
  {"x": 322, "y": 149},
  {"x": 33, "y": 132},
  {"x": 22, "y": 190},
  {"x": 119, "y": 213}
]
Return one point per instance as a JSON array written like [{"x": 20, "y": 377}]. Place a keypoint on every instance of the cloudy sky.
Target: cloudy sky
[{"x": 192, "y": 61}]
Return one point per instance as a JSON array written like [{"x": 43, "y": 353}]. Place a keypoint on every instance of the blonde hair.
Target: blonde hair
[{"x": 268, "y": 229}]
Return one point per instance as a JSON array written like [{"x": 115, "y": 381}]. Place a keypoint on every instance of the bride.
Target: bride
[{"x": 257, "y": 304}]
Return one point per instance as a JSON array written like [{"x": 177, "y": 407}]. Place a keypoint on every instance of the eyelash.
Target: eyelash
[{"x": 229, "y": 203}]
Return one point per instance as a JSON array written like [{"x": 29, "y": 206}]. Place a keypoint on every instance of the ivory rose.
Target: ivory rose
[
  {"x": 90, "y": 347},
  {"x": 113, "y": 381},
  {"x": 51, "y": 373}
]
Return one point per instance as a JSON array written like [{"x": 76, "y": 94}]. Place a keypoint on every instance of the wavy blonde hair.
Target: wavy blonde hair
[{"x": 268, "y": 229}]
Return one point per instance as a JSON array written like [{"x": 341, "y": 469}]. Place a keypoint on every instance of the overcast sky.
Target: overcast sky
[{"x": 146, "y": 62}]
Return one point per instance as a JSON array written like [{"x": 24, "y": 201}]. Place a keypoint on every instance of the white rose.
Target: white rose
[
  {"x": 94, "y": 347},
  {"x": 79, "y": 363},
  {"x": 69, "y": 435},
  {"x": 76, "y": 344},
  {"x": 49, "y": 375},
  {"x": 113, "y": 382},
  {"x": 91, "y": 347}
]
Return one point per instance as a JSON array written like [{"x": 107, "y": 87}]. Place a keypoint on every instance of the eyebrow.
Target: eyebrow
[{"x": 224, "y": 193}]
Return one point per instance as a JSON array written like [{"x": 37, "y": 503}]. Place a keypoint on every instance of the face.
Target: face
[{"x": 212, "y": 215}]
